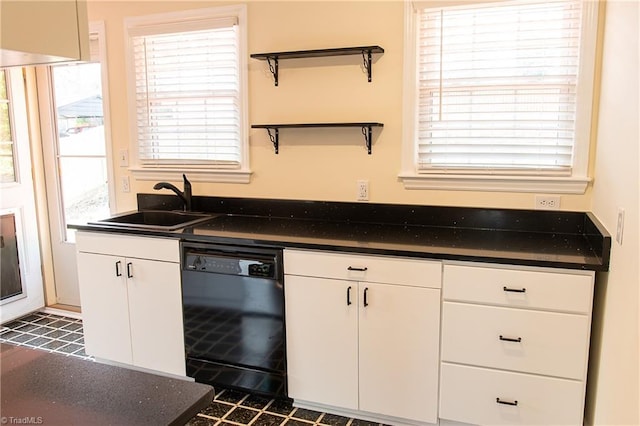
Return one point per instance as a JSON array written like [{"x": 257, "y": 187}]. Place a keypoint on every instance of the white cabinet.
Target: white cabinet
[
  {"x": 131, "y": 300},
  {"x": 515, "y": 344},
  {"x": 39, "y": 32},
  {"x": 363, "y": 334}
]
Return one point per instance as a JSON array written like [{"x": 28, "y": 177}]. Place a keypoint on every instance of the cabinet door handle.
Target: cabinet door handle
[
  {"x": 118, "y": 272},
  {"x": 348, "y": 295},
  {"x": 510, "y": 339},
  {"x": 352, "y": 268},
  {"x": 514, "y": 290},
  {"x": 505, "y": 402},
  {"x": 129, "y": 273},
  {"x": 366, "y": 303}
]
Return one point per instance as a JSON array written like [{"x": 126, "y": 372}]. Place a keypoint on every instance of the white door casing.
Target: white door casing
[{"x": 18, "y": 198}]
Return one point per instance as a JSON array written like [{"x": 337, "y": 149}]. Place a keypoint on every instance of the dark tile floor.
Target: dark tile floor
[
  {"x": 50, "y": 332},
  {"x": 63, "y": 335}
]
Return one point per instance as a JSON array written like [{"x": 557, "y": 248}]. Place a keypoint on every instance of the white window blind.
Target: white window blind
[
  {"x": 187, "y": 93},
  {"x": 497, "y": 88}
]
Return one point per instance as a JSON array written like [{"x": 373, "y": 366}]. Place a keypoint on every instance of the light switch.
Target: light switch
[
  {"x": 620, "y": 225},
  {"x": 123, "y": 157}
]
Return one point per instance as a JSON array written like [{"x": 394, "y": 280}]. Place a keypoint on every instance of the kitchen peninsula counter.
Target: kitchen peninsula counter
[{"x": 39, "y": 387}]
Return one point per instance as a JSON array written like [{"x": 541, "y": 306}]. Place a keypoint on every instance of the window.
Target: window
[
  {"x": 188, "y": 87},
  {"x": 499, "y": 96}
]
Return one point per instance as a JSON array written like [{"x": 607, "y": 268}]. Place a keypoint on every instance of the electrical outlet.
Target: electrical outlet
[
  {"x": 125, "y": 184},
  {"x": 123, "y": 158},
  {"x": 547, "y": 202},
  {"x": 620, "y": 225},
  {"x": 363, "y": 190}
]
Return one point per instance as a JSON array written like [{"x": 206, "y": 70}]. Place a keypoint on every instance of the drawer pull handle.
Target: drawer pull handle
[
  {"x": 348, "y": 295},
  {"x": 510, "y": 339},
  {"x": 366, "y": 303},
  {"x": 129, "y": 273},
  {"x": 514, "y": 290},
  {"x": 118, "y": 273},
  {"x": 351, "y": 268},
  {"x": 501, "y": 401}
]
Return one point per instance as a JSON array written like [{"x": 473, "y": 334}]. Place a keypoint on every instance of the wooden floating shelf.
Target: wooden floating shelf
[
  {"x": 273, "y": 58},
  {"x": 275, "y": 136}
]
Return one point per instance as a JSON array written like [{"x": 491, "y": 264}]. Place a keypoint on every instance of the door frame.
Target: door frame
[{"x": 52, "y": 202}]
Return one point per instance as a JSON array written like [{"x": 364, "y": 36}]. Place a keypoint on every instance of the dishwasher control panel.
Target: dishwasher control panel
[{"x": 229, "y": 265}]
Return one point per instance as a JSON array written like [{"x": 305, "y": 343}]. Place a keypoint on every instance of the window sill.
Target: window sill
[
  {"x": 546, "y": 184},
  {"x": 194, "y": 174}
]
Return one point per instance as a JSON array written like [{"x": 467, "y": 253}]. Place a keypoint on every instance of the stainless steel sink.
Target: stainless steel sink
[{"x": 155, "y": 219}]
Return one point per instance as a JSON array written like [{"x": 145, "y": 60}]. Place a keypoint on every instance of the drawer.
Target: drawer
[
  {"x": 469, "y": 394},
  {"x": 554, "y": 344},
  {"x": 129, "y": 246},
  {"x": 570, "y": 291},
  {"x": 356, "y": 267}
]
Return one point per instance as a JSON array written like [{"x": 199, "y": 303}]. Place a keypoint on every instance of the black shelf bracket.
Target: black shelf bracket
[
  {"x": 275, "y": 136},
  {"x": 273, "y": 67},
  {"x": 366, "y": 131},
  {"x": 367, "y": 63}
]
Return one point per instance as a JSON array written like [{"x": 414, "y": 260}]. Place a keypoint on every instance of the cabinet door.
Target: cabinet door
[
  {"x": 399, "y": 341},
  {"x": 322, "y": 339},
  {"x": 44, "y": 32},
  {"x": 105, "y": 308},
  {"x": 155, "y": 305}
]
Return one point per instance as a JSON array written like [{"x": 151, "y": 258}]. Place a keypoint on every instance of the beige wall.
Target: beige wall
[
  {"x": 325, "y": 165},
  {"x": 312, "y": 164},
  {"x": 614, "y": 397}
]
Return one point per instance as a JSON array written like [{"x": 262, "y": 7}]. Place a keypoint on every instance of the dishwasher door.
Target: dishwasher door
[{"x": 233, "y": 308}]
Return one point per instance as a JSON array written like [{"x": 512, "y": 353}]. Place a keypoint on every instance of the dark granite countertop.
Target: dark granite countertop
[
  {"x": 53, "y": 389},
  {"x": 574, "y": 240}
]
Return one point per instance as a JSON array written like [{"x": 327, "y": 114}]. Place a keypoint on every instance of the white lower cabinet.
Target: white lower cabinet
[
  {"x": 131, "y": 300},
  {"x": 359, "y": 345},
  {"x": 515, "y": 344}
]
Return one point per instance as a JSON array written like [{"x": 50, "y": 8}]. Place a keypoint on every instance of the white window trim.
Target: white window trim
[
  {"x": 574, "y": 184},
  {"x": 196, "y": 173}
]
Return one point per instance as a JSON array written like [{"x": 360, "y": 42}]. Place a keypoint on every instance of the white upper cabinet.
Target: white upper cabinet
[{"x": 42, "y": 32}]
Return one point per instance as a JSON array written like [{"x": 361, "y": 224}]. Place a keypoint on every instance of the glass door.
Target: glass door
[{"x": 21, "y": 289}]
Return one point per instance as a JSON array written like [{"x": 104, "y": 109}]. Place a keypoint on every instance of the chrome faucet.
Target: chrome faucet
[{"x": 184, "y": 196}]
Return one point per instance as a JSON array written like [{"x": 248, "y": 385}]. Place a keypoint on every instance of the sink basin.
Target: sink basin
[{"x": 155, "y": 219}]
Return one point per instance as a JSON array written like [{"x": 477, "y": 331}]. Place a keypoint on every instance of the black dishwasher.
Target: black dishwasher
[{"x": 233, "y": 308}]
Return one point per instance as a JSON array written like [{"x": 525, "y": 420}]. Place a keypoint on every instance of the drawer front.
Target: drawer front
[
  {"x": 570, "y": 292},
  {"x": 356, "y": 267},
  {"x": 129, "y": 246},
  {"x": 470, "y": 395},
  {"x": 550, "y": 343}
]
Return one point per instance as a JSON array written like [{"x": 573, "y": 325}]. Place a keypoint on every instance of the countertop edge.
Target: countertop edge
[{"x": 422, "y": 254}]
